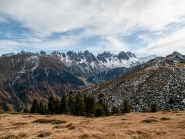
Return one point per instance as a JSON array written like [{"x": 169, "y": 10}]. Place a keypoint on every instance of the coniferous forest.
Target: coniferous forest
[{"x": 74, "y": 104}]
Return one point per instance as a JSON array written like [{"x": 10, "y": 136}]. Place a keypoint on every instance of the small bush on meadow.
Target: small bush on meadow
[
  {"x": 45, "y": 121},
  {"x": 164, "y": 118},
  {"x": 44, "y": 134},
  {"x": 149, "y": 121}
]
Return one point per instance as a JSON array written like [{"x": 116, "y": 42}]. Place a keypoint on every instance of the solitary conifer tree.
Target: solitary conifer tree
[{"x": 153, "y": 107}]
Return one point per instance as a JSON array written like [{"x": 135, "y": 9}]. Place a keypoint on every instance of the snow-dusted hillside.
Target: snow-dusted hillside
[{"x": 164, "y": 85}]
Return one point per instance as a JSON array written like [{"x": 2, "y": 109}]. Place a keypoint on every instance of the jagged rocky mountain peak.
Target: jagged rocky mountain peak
[
  {"x": 130, "y": 54},
  {"x": 107, "y": 54},
  {"x": 86, "y": 52},
  {"x": 8, "y": 54},
  {"x": 176, "y": 56},
  {"x": 123, "y": 55},
  {"x": 23, "y": 52},
  {"x": 43, "y": 53}
]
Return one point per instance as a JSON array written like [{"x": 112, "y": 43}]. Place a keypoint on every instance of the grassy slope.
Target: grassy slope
[{"x": 118, "y": 127}]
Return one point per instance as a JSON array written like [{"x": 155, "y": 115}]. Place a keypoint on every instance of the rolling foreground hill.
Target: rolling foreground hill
[{"x": 160, "y": 125}]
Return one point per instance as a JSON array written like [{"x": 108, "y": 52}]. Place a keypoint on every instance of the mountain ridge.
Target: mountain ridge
[{"x": 159, "y": 81}]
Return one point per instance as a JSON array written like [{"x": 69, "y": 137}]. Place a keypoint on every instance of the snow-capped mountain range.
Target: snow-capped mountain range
[
  {"x": 103, "y": 67},
  {"x": 102, "y": 61},
  {"x": 89, "y": 64},
  {"x": 106, "y": 59}
]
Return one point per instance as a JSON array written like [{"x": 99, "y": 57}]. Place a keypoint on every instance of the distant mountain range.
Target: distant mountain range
[
  {"x": 95, "y": 69},
  {"x": 25, "y": 76}
]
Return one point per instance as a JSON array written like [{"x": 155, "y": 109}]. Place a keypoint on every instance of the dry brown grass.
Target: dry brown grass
[{"x": 169, "y": 125}]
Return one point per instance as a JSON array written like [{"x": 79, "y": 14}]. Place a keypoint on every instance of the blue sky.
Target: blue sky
[{"x": 144, "y": 27}]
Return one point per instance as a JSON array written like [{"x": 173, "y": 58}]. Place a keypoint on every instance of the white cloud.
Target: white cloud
[
  {"x": 166, "y": 44},
  {"x": 108, "y": 19},
  {"x": 110, "y": 43},
  {"x": 8, "y": 46}
]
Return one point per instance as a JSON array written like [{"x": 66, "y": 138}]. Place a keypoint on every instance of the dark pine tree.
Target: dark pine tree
[
  {"x": 90, "y": 105},
  {"x": 71, "y": 102},
  {"x": 115, "y": 110},
  {"x": 104, "y": 105},
  {"x": 26, "y": 110},
  {"x": 99, "y": 111},
  {"x": 153, "y": 107},
  {"x": 35, "y": 106},
  {"x": 57, "y": 106},
  {"x": 64, "y": 105},
  {"x": 79, "y": 106},
  {"x": 126, "y": 106},
  {"x": 41, "y": 108},
  {"x": 51, "y": 105}
]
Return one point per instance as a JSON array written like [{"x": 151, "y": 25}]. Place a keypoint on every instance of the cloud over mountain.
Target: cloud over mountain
[{"x": 145, "y": 26}]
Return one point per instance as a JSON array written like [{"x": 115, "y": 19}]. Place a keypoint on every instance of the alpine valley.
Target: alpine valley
[{"x": 25, "y": 76}]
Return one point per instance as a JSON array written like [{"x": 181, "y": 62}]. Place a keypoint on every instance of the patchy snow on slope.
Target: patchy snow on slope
[
  {"x": 31, "y": 63},
  {"x": 15, "y": 78}
]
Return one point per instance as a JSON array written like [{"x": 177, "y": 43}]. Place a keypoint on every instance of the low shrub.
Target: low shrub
[
  {"x": 70, "y": 126},
  {"x": 91, "y": 116},
  {"x": 164, "y": 118},
  {"x": 44, "y": 134},
  {"x": 19, "y": 124},
  {"x": 45, "y": 121},
  {"x": 149, "y": 121},
  {"x": 84, "y": 136}
]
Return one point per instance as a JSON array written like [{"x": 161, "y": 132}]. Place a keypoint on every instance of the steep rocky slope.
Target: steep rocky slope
[
  {"x": 110, "y": 74},
  {"x": 160, "y": 80},
  {"x": 27, "y": 76}
]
